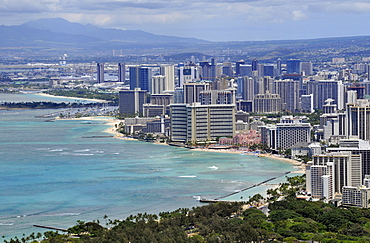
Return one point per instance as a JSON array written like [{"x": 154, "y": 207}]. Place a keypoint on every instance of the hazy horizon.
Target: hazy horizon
[{"x": 227, "y": 20}]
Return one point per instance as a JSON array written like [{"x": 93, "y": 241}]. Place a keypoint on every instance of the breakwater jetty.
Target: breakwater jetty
[
  {"x": 238, "y": 191},
  {"x": 48, "y": 227}
]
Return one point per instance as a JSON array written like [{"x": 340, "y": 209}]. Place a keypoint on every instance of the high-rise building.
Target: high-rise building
[
  {"x": 269, "y": 70},
  {"x": 289, "y": 134},
  {"x": 161, "y": 99},
  {"x": 333, "y": 126},
  {"x": 237, "y": 67},
  {"x": 205, "y": 70},
  {"x": 158, "y": 84},
  {"x": 293, "y": 66},
  {"x": 366, "y": 85},
  {"x": 307, "y": 103},
  {"x": 140, "y": 77},
  {"x": 278, "y": 67},
  {"x": 289, "y": 94},
  {"x": 100, "y": 72},
  {"x": 358, "y": 120},
  {"x": 356, "y": 147},
  {"x": 179, "y": 122},
  {"x": 131, "y": 102},
  {"x": 346, "y": 168},
  {"x": 325, "y": 89},
  {"x": 356, "y": 196},
  {"x": 121, "y": 72},
  {"x": 159, "y": 105},
  {"x": 267, "y": 103},
  {"x": 264, "y": 85},
  {"x": 187, "y": 74},
  {"x": 178, "y": 95},
  {"x": 134, "y": 77},
  {"x": 208, "y": 122},
  {"x": 245, "y": 70},
  {"x": 227, "y": 69},
  {"x": 146, "y": 78},
  {"x": 244, "y": 105},
  {"x": 208, "y": 97},
  {"x": 321, "y": 181},
  {"x": 246, "y": 88},
  {"x": 284, "y": 135},
  {"x": 360, "y": 90},
  {"x": 254, "y": 65},
  {"x": 351, "y": 97},
  {"x": 196, "y": 123},
  {"x": 192, "y": 91},
  {"x": 260, "y": 70},
  {"x": 306, "y": 68},
  {"x": 168, "y": 71},
  {"x": 164, "y": 82},
  {"x": 213, "y": 69}
]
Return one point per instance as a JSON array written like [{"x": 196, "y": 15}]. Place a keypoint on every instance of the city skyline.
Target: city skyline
[{"x": 229, "y": 20}]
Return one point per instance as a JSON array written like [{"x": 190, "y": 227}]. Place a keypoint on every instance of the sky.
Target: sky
[{"x": 213, "y": 20}]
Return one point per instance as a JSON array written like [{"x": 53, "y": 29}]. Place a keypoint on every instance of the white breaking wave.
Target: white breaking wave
[
  {"x": 56, "y": 150},
  {"x": 83, "y": 150},
  {"x": 213, "y": 167},
  {"x": 6, "y": 224},
  {"x": 63, "y": 214}
]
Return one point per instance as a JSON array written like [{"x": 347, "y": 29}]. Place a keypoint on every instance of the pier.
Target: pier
[
  {"x": 104, "y": 136},
  {"x": 48, "y": 227},
  {"x": 236, "y": 192}
]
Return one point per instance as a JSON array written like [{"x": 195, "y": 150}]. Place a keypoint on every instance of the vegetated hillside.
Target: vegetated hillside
[
  {"x": 289, "y": 220},
  {"x": 48, "y": 37},
  {"x": 56, "y": 35},
  {"x": 59, "y": 25}
]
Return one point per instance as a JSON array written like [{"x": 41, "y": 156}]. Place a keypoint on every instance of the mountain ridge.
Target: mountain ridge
[
  {"x": 50, "y": 37},
  {"x": 59, "y": 25}
]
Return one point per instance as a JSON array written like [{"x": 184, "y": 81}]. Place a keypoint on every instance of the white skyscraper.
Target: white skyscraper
[{"x": 168, "y": 71}]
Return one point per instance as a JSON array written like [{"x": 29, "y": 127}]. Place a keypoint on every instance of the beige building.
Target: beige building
[{"x": 196, "y": 122}]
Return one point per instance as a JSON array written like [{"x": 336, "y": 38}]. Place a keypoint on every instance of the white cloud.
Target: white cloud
[
  {"x": 29, "y": 6},
  {"x": 299, "y": 15},
  {"x": 193, "y": 16},
  {"x": 170, "y": 11}
]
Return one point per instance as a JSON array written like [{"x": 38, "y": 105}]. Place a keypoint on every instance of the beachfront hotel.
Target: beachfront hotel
[
  {"x": 196, "y": 122},
  {"x": 287, "y": 133}
]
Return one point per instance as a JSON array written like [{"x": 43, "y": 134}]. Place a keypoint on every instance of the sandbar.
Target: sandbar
[{"x": 67, "y": 97}]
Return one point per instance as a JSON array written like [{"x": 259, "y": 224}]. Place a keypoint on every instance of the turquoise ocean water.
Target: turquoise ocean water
[{"x": 54, "y": 173}]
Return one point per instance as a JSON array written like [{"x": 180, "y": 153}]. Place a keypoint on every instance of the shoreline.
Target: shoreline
[{"x": 300, "y": 166}]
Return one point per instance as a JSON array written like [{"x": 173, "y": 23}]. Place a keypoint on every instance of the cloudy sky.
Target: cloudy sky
[{"x": 214, "y": 20}]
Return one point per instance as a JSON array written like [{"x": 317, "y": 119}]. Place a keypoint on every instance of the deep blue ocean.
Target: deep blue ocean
[{"x": 55, "y": 173}]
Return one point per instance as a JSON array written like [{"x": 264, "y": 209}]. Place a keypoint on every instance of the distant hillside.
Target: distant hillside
[
  {"x": 51, "y": 37},
  {"x": 59, "y": 25}
]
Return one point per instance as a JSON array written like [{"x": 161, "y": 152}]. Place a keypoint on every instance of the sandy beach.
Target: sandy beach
[
  {"x": 300, "y": 167},
  {"x": 112, "y": 130},
  {"x": 112, "y": 123}
]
